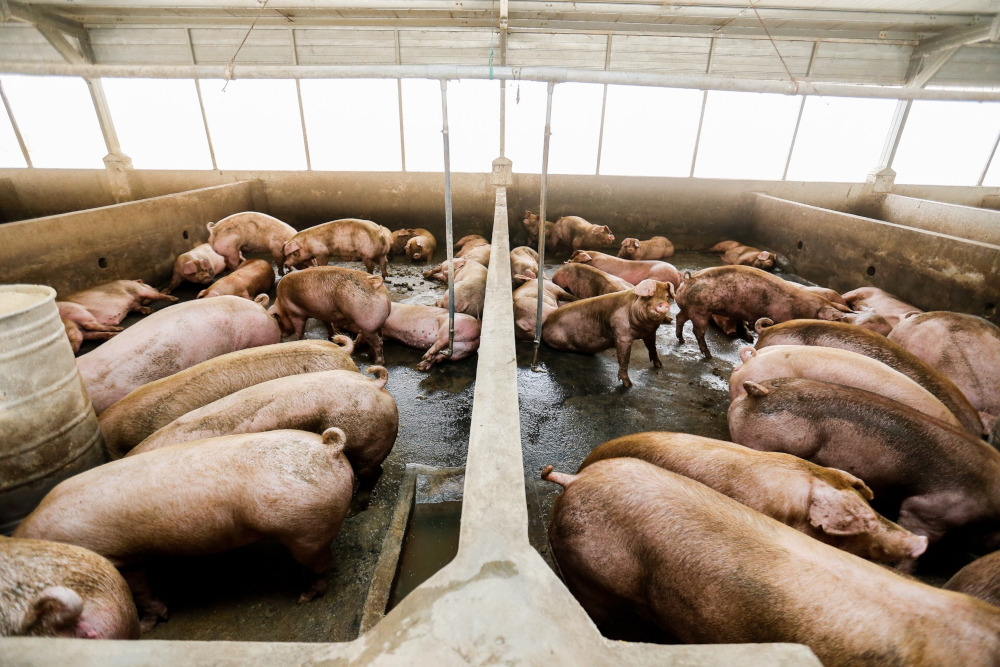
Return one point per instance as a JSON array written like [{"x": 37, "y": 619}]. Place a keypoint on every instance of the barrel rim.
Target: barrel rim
[{"x": 28, "y": 287}]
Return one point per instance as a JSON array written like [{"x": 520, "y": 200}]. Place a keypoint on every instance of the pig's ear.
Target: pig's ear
[
  {"x": 581, "y": 256},
  {"x": 606, "y": 229},
  {"x": 754, "y": 389},
  {"x": 290, "y": 247},
  {"x": 201, "y": 294},
  {"x": 763, "y": 256},
  {"x": 829, "y": 314},
  {"x": 263, "y": 300},
  {"x": 189, "y": 269},
  {"x": 645, "y": 288},
  {"x": 671, "y": 290},
  {"x": 54, "y": 612},
  {"x": 530, "y": 274},
  {"x": 835, "y": 512}
]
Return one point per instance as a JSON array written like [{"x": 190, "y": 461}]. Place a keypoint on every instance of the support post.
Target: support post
[
  {"x": 704, "y": 101},
  {"x": 541, "y": 224},
  {"x": 883, "y": 177},
  {"x": 989, "y": 160},
  {"x": 798, "y": 120},
  {"x": 298, "y": 93},
  {"x": 449, "y": 235},
  {"x": 399, "y": 99},
  {"x": 201, "y": 103},
  {"x": 17, "y": 130}
]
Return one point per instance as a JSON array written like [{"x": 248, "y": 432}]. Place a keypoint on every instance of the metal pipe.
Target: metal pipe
[
  {"x": 697, "y": 134},
  {"x": 550, "y": 74},
  {"x": 989, "y": 160},
  {"x": 17, "y": 130},
  {"x": 201, "y": 103},
  {"x": 541, "y": 224},
  {"x": 449, "y": 236}
]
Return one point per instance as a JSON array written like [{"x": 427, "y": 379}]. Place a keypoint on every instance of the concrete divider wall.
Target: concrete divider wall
[
  {"x": 930, "y": 270},
  {"x": 975, "y": 224},
  {"x": 140, "y": 239}
]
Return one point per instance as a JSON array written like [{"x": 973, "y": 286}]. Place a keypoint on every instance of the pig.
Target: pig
[
  {"x": 888, "y": 306},
  {"x": 628, "y": 534},
  {"x": 426, "y": 328},
  {"x": 172, "y": 339},
  {"x": 843, "y": 367},
  {"x": 336, "y": 296},
  {"x": 965, "y": 348},
  {"x": 734, "y": 252},
  {"x": 398, "y": 240},
  {"x": 585, "y": 281},
  {"x": 980, "y": 579},
  {"x": 531, "y": 226},
  {"x": 199, "y": 265},
  {"x": 657, "y": 247},
  {"x": 523, "y": 262},
  {"x": 348, "y": 239},
  {"x": 204, "y": 497},
  {"x": 631, "y": 270},
  {"x": 994, "y": 436},
  {"x": 81, "y": 325},
  {"x": 111, "y": 302},
  {"x": 944, "y": 478},
  {"x": 571, "y": 233},
  {"x": 474, "y": 248},
  {"x": 252, "y": 277},
  {"x": 526, "y": 305},
  {"x": 470, "y": 286},
  {"x": 878, "y": 347},
  {"x": 824, "y": 503},
  {"x": 617, "y": 319},
  {"x": 745, "y": 294},
  {"x": 152, "y": 406},
  {"x": 48, "y": 589},
  {"x": 310, "y": 402},
  {"x": 248, "y": 232},
  {"x": 421, "y": 246},
  {"x": 826, "y": 293}
]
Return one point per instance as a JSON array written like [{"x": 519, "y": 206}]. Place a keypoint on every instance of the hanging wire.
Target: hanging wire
[
  {"x": 780, "y": 57},
  {"x": 229, "y": 67}
]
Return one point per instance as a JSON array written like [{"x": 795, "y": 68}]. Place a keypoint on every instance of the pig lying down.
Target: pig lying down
[
  {"x": 734, "y": 252},
  {"x": 980, "y": 579},
  {"x": 658, "y": 247},
  {"x": 199, "y": 265},
  {"x": 204, "y": 497},
  {"x": 827, "y": 504},
  {"x": 111, "y": 302},
  {"x": 892, "y": 308},
  {"x": 49, "y": 589},
  {"x": 81, "y": 325},
  {"x": 154, "y": 405},
  {"x": 585, "y": 281},
  {"x": 525, "y": 300},
  {"x": 252, "y": 277},
  {"x": 633, "y": 271},
  {"x": 628, "y": 534},
  {"x": 474, "y": 248},
  {"x": 523, "y": 262},
  {"x": 426, "y": 328},
  {"x": 249, "y": 232}
]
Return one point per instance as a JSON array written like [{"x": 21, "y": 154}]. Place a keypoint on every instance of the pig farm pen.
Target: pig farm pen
[{"x": 460, "y": 500}]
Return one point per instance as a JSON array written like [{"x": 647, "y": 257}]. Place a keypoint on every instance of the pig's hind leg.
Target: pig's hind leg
[
  {"x": 151, "y": 608},
  {"x": 650, "y": 342},
  {"x": 315, "y": 556}
]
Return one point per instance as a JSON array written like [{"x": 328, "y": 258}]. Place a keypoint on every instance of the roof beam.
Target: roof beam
[
  {"x": 929, "y": 66},
  {"x": 957, "y": 37},
  {"x": 41, "y": 17}
]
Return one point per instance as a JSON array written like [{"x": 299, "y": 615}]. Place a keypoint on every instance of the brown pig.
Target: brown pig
[
  {"x": 474, "y": 248},
  {"x": 337, "y": 297},
  {"x": 734, "y": 252},
  {"x": 470, "y": 286},
  {"x": 398, "y": 240},
  {"x": 525, "y": 300},
  {"x": 426, "y": 328},
  {"x": 347, "y": 239},
  {"x": 707, "y": 569},
  {"x": 421, "y": 246},
  {"x": 252, "y": 277},
  {"x": 746, "y": 294},
  {"x": 657, "y": 247},
  {"x": 585, "y": 281},
  {"x": 172, "y": 339},
  {"x": 49, "y": 589},
  {"x": 965, "y": 348},
  {"x": 828, "y": 294},
  {"x": 980, "y": 579},
  {"x": 185, "y": 500},
  {"x": 892, "y": 308},
  {"x": 944, "y": 478},
  {"x": 152, "y": 406},
  {"x": 310, "y": 402},
  {"x": 856, "y": 339},
  {"x": 827, "y": 504},
  {"x": 531, "y": 226},
  {"x": 248, "y": 232},
  {"x": 81, "y": 325},
  {"x": 571, "y": 233},
  {"x": 523, "y": 262},
  {"x": 631, "y": 270},
  {"x": 843, "y": 367},
  {"x": 199, "y": 265},
  {"x": 612, "y": 320},
  {"x": 111, "y": 302}
]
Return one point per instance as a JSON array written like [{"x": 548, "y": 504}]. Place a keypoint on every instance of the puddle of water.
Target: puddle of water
[{"x": 431, "y": 542}]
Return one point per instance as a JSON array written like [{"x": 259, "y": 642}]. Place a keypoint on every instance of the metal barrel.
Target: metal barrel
[{"x": 48, "y": 428}]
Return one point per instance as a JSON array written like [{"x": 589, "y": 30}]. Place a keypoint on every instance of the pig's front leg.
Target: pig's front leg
[
  {"x": 650, "y": 342},
  {"x": 316, "y": 558},
  {"x": 151, "y": 608},
  {"x": 624, "y": 346}
]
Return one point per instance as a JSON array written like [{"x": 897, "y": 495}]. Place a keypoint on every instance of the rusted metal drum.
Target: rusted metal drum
[{"x": 48, "y": 429}]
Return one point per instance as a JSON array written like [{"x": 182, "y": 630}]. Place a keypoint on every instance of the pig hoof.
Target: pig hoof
[
  {"x": 626, "y": 382},
  {"x": 317, "y": 588},
  {"x": 657, "y": 364}
]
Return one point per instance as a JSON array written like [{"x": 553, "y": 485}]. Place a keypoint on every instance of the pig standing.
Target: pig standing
[
  {"x": 348, "y": 239},
  {"x": 170, "y": 340},
  {"x": 81, "y": 325},
  {"x": 965, "y": 348},
  {"x": 888, "y": 306},
  {"x": 843, "y": 367},
  {"x": 152, "y": 406},
  {"x": 746, "y": 294},
  {"x": 526, "y": 305},
  {"x": 111, "y": 302},
  {"x": 585, "y": 281},
  {"x": 185, "y": 500},
  {"x": 980, "y": 579},
  {"x": 658, "y": 247},
  {"x": 707, "y": 569},
  {"x": 944, "y": 478},
  {"x": 426, "y": 328},
  {"x": 523, "y": 262},
  {"x": 856, "y": 339},
  {"x": 531, "y": 226},
  {"x": 339, "y": 298},
  {"x": 618, "y": 319},
  {"x": 572, "y": 233},
  {"x": 249, "y": 232},
  {"x": 421, "y": 246},
  {"x": 199, "y": 265},
  {"x": 48, "y": 589},
  {"x": 253, "y": 277},
  {"x": 827, "y": 504},
  {"x": 311, "y": 402},
  {"x": 633, "y": 271},
  {"x": 734, "y": 252}
]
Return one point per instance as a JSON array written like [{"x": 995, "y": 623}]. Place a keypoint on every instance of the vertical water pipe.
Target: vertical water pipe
[
  {"x": 541, "y": 223},
  {"x": 449, "y": 236}
]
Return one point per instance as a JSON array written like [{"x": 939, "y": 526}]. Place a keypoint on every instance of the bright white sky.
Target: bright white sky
[{"x": 354, "y": 125}]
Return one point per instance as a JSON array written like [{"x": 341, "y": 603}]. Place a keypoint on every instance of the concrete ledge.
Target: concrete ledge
[{"x": 967, "y": 222}]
